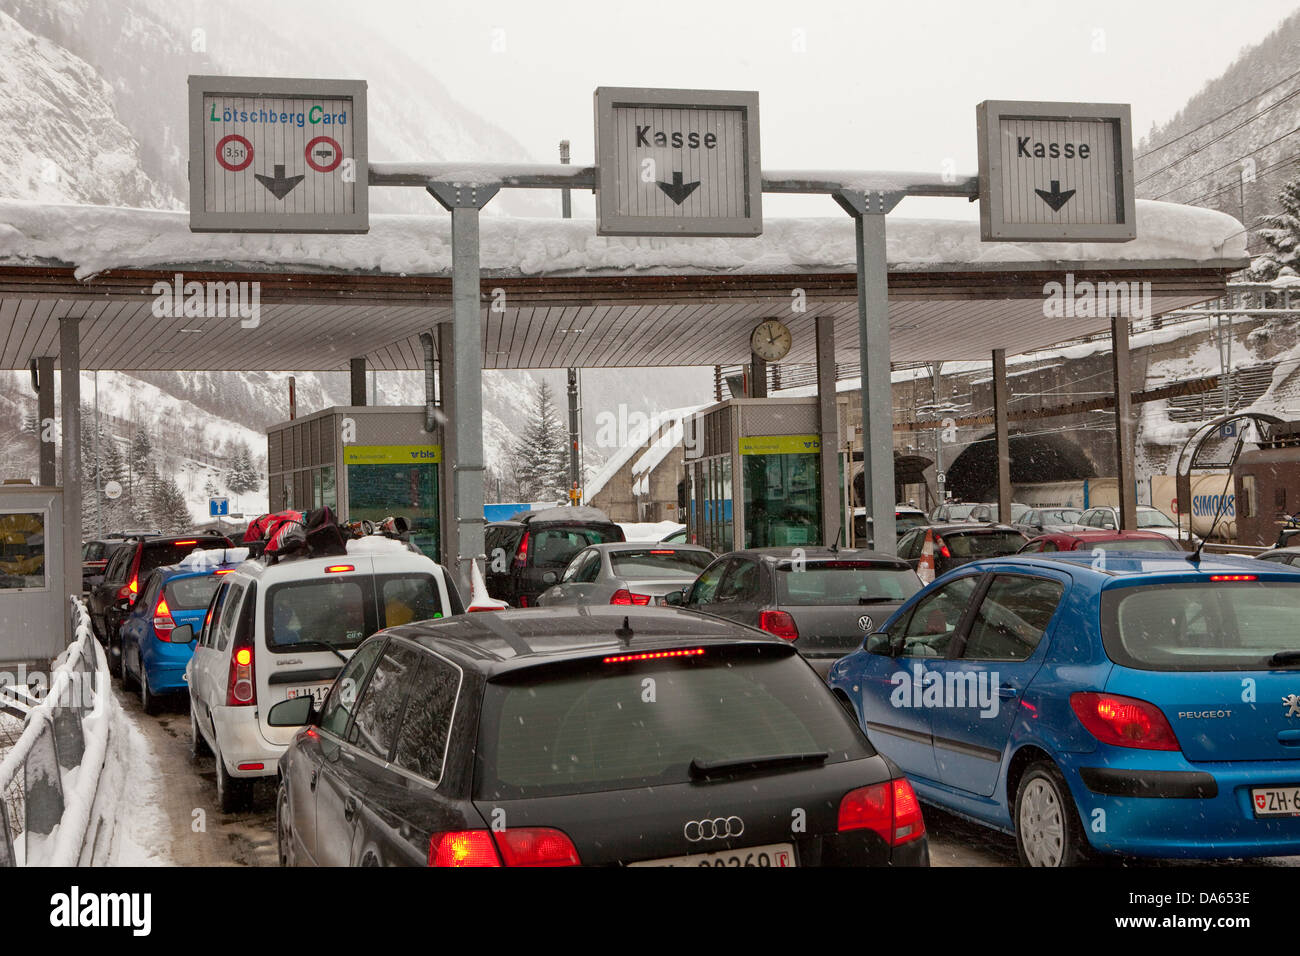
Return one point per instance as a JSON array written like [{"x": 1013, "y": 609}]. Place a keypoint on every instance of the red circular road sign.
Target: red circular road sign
[
  {"x": 324, "y": 143},
  {"x": 234, "y": 152}
]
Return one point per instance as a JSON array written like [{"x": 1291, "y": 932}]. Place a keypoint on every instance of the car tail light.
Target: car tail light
[
  {"x": 624, "y": 596},
  {"x": 943, "y": 549},
  {"x": 521, "y": 556},
  {"x": 477, "y": 607},
  {"x": 779, "y": 623},
  {"x": 163, "y": 624},
  {"x": 191, "y": 541},
  {"x": 336, "y": 568},
  {"x": 889, "y": 809},
  {"x": 536, "y": 846},
  {"x": 463, "y": 848},
  {"x": 1124, "y": 721},
  {"x": 523, "y": 600},
  {"x": 653, "y": 655},
  {"x": 240, "y": 689},
  {"x": 223, "y": 570},
  {"x": 1233, "y": 577},
  {"x": 662, "y": 551},
  {"x": 250, "y": 766}
]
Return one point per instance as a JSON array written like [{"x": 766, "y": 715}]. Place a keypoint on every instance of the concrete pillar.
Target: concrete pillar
[
  {"x": 45, "y": 413},
  {"x": 70, "y": 412},
  {"x": 447, "y": 490},
  {"x": 828, "y": 416},
  {"x": 1124, "y": 443},
  {"x": 1000, "y": 426},
  {"x": 358, "y": 376},
  {"x": 757, "y": 377}
]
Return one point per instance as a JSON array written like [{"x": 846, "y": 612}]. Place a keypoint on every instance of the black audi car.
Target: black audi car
[{"x": 587, "y": 736}]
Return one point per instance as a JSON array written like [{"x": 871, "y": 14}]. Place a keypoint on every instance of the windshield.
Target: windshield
[
  {"x": 190, "y": 593},
  {"x": 158, "y": 555},
  {"x": 844, "y": 583},
  {"x": 1153, "y": 519},
  {"x": 545, "y": 733},
  {"x": 976, "y": 544},
  {"x": 1059, "y": 516},
  {"x": 1201, "y": 626},
  {"x": 903, "y": 521},
  {"x": 659, "y": 562},
  {"x": 553, "y": 547},
  {"x": 1130, "y": 544}
]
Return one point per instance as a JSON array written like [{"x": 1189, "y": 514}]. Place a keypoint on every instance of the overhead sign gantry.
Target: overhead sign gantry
[
  {"x": 677, "y": 163},
  {"x": 278, "y": 155},
  {"x": 1056, "y": 171}
]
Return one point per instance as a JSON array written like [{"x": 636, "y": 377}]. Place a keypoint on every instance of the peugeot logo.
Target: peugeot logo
[
  {"x": 866, "y": 623},
  {"x": 719, "y": 828},
  {"x": 1292, "y": 704}
]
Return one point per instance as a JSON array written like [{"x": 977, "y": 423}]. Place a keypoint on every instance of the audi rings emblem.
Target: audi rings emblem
[{"x": 719, "y": 828}]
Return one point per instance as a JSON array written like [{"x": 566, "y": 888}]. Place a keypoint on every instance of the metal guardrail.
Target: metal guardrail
[{"x": 41, "y": 821}]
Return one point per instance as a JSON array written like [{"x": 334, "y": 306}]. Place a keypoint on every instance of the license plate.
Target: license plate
[
  {"x": 316, "y": 692},
  {"x": 776, "y": 854},
  {"x": 1275, "y": 801}
]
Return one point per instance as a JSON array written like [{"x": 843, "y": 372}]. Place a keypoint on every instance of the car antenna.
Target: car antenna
[
  {"x": 624, "y": 633},
  {"x": 1195, "y": 556},
  {"x": 839, "y": 532}
]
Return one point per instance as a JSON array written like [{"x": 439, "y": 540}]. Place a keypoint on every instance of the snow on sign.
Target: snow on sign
[
  {"x": 277, "y": 155},
  {"x": 677, "y": 163},
  {"x": 1056, "y": 172}
]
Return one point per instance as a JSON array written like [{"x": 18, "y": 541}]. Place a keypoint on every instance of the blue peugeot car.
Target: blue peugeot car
[
  {"x": 1131, "y": 703},
  {"x": 171, "y": 596}
]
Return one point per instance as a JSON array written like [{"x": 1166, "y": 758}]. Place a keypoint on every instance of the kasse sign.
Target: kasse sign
[
  {"x": 677, "y": 163},
  {"x": 1058, "y": 172}
]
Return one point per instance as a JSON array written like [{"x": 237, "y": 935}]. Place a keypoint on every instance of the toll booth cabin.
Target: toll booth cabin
[
  {"x": 33, "y": 602},
  {"x": 753, "y": 474},
  {"x": 1267, "y": 484},
  {"x": 364, "y": 462}
]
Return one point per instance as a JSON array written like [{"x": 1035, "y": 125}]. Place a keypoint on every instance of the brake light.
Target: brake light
[
  {"x": 663, "y": 551},
  {"x": 652, "y": 656},
  {"x": 223, "y": 570},
  {"x": 943, "y": 550},
  {"x": 178, "y": 543},
  {"x": 888, "y": 809},
  {"x": 624, "y": 596},
  {"x": 335, "y": 568},
  {"x": 536, "y": 846},
  {"x": 521, "y": 556},
  {"x": 163, "y": 624},
  {"x": 240, "y": 689},
  {"x": 779, "y": 623},
  {"x": 476, "y": 607},
  {"x": 1233, "y": 577},
  {"x": 1124, "y": 721},
  {"x": 463, "y": 848},
  {"x": 523, "y": 600},
  {"x": 250, "y": 766}
]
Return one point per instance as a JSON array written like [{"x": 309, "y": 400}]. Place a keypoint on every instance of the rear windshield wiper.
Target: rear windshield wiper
[
  {"x": 1285, "y": 657},
  {"x": 713, "y": 768},
  {"x": 318, "y": 645}
]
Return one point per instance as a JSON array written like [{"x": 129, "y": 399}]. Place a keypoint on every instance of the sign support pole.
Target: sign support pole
[
  {"x": 868, "y": 211},
  {"x": 1001, "y": 431},
  {"x": 1124, "y": 444},
  {"x": 464, "y": 203}
]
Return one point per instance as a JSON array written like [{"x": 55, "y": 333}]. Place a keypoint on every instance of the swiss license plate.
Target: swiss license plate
[
  {"x": 316, "y": 692},
  {"x": 776, "y": 854},
  {"x": 1276, "y": 801}
]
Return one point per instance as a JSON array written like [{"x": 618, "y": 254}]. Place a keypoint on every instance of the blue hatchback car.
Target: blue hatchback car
[
  {"x": 171, "y": 596},
  {"x": 1131, "y": 703}
]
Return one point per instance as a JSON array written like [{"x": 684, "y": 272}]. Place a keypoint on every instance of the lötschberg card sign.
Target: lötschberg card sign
[
  {"x": 270, "y": 154},
  {"x": 1056, "y": 172},
  {"x": 677, "y": 163}
]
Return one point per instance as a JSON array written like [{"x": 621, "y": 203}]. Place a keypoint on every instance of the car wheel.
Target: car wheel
[
  {"x": 198, "y": 745},
  {"x": 122, "y": 671},
  {"x": 1048, "y": 831},
  {"x": 232, "y": 793},
  {"x": 148, "y": 702},
  {"x": 283, "y": 827}
]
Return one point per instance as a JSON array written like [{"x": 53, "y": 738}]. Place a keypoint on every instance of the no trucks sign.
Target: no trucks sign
[{"x": 277, "y": 155}]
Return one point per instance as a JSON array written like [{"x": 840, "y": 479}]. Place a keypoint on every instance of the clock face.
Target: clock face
[{"x": 771, "y": 341}]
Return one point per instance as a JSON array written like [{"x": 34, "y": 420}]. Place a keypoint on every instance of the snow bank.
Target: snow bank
[
  {"x": 203, "y": 560},
  {"x": 93, "y": 239}
]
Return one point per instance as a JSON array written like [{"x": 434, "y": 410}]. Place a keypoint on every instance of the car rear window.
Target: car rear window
[
  {"x": 1237, "y": 625},
  {"x": 654, "y": 562},
  {"x": 545, "y": 732},
  {"x": 1131, "y": 544},
  {"x": 404, "y": 598},
  {"x": 190, "y": 593},
  {"x": 552, "y": 547},
  {"x": 844, "y": 583},
  {"x": 338, "y": 611},
  {"x": 158, "y": 555},
  {"x": 982, "y": 544}
]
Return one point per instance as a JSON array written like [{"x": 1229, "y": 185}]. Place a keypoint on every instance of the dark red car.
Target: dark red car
[{"x": 1100, "y": 540}]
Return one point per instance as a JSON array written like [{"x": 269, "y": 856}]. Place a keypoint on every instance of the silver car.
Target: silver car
[{"x": 625, "y": 572}]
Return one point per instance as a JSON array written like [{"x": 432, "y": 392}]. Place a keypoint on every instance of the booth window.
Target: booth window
[
  {"x": 783, "y": 504},
  {"x": 22, "y": 550},
  {"x": 377, "y": 491},
  {"x": 1246, "y": 506}
]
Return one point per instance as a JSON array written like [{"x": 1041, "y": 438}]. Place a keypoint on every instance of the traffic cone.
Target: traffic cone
[{"x": 925, "y": 567}]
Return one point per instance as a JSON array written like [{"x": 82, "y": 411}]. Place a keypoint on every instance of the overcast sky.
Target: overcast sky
[{"x": 865, "y": 85}]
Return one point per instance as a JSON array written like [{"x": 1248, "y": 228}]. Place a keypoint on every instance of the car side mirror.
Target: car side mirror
[
  {"x": 549, "y": 578},
  {"x": 675, "y": 598},
  {"x": 294, "y": 712},
  {"x": 879, "y": 643},
  {"x": 184, "y": 634}
]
